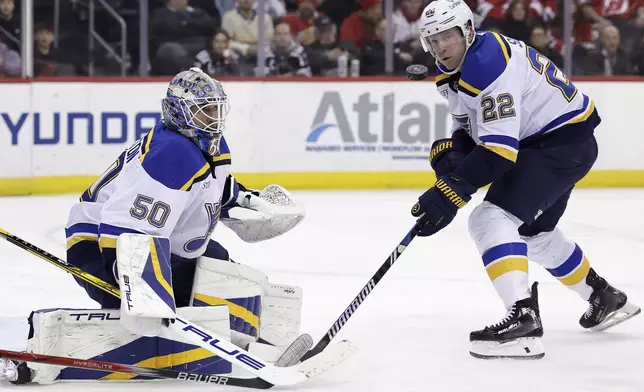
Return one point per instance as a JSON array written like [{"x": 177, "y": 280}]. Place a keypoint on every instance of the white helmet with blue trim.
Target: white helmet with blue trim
[{"x": 443, "y": 15}]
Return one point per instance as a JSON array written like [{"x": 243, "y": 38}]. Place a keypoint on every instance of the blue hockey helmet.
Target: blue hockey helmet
[{"x": 196, "y": 105}]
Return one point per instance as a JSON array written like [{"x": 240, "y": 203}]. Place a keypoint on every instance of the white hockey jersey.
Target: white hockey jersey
[
  {"x": 507, "y": 93},
  {"x": 162, "y": 186}
]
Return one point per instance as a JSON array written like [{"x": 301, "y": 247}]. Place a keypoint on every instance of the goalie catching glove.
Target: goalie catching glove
[{"x": 259, "y": 216}]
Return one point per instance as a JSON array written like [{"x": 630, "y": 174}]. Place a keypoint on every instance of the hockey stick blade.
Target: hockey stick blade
[
  {"x": 267, "y": 373},
  {"x": 112, "y": 367},
  {"x": 362, "y": 295},
  {"x": 295, "y": 351}
]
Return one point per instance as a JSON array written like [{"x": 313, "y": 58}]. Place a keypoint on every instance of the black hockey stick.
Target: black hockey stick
[
  {"x": 357, "y": 301},
  {"x": 112, "y": 367}
]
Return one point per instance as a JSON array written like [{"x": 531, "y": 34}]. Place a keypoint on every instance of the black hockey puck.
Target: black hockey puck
[{"x": 416, "y": 72}]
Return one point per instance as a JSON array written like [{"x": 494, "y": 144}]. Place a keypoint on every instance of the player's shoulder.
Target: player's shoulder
[
  {"x": 445, "y": 80},
  {"x": 172, "y": 159},
  {"x": 485, "y": 62}
]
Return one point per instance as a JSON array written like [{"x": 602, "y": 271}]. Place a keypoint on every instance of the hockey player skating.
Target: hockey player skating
[
  {"x": 145, "y": 226},
  {"x": 523, "y": 127}
]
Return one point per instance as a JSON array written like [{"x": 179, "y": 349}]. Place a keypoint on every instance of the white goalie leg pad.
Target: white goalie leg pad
[
  {"x": 272, "y": 214},
  {"x": 523, "y": 348},
  {"x": 280, "y": 321},
  {"x": 90, "y": 333},
  {"x": 239, "y": 287},
  {"x": 145, "y": 280}
]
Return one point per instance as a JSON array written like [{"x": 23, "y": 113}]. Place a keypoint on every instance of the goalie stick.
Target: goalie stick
[
  {"x": 112, "y": 367},
  {"x": 357, "y": 301},
  {"x": 282, "y": 376}
]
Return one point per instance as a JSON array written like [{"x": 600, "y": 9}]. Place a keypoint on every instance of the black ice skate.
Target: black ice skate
[
  {"x": 517, "y": 335},
  {"x": 607, "y": 305}
]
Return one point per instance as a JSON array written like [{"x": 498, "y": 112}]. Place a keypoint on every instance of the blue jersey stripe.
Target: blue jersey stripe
[{"x": 501, "y": 139}]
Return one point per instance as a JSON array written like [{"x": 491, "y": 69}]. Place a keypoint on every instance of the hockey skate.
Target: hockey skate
[
  {"x": 607, "y": 305},
  {"x": 16, "y": 373},
  {"x": 517, "y": 335}
]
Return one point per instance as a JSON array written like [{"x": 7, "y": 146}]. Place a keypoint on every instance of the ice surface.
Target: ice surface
[{"x": 413, "y": 329}]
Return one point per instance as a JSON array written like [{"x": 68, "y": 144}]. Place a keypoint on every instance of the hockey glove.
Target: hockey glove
[
  {"x": 447, "y": 154},
  {"x": 437, "y": 207}
]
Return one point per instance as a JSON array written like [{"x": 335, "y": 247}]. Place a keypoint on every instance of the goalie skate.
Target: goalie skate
[{"x": 516, "y": 336}]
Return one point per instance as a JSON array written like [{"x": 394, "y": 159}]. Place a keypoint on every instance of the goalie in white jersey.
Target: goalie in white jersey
[
  {"x": 145, "y": 226},
  {"x": 523, "y": 127}
]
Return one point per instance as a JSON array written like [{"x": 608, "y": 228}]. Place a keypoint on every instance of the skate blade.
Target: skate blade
[
  {"x": 622, "y": 314},
  {"x": 522, "y": 348}
]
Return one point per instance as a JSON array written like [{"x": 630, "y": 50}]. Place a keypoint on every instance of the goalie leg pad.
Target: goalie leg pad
[
  {"x": 221, "y": 282},
  {"x": 281, "y": 314},
  {"x": 145, "y": 276},
  {"x": 98, "y": 335}
]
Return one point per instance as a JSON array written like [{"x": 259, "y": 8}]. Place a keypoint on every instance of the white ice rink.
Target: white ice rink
[{"x": 413, "y": 329}]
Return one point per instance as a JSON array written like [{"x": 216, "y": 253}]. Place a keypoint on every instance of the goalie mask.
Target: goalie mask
[{"x": 196, "y": 105}]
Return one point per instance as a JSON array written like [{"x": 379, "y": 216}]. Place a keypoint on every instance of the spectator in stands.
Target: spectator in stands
[
  {"x": 339, "y": 10},
  {"x": 540, "y": 41},
  {"x": 208, "y": 6},
  {"x": 638, "y": 57},
  {"x": 242, "y": 25},
  {"x": 220, "y": 60},
  {"x": 303, "y": 18},
  {"x": 179, "y": 32},
  {"x": 608, "y": 58},
  {"x": 48, "y": 61},
  {"x": 517, "y": 24},
  {"x": 359, "y": 27},
  {"x": 406, "y": 19},
  {"x": 9, "y": 61},
  {"x": 324, "y": 52},
  {"x": 9, "y": 25},
  {"x": 284, "y": 56},
  {"x": 621, "y": 13},
  {"x": 406, "y": 25},
  {"x": 372, "y": 61},
  {"x": 274, "y": 8}
]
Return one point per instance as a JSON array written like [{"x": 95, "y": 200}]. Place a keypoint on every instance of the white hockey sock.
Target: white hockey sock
[
  {"x": 562, "y": 258},
  {"x": 507, "y": 266},
  {"x": 505, "y": 255}
]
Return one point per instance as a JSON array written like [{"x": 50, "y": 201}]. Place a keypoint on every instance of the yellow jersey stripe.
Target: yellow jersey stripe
[
  {"x": 198, "y": 174},
  {"x": 587, "y": 114},
  {"x": 107, "y": 242},
  {"x": 473, "y": 90},
  {"x": 504, "y": 47},
  {"x": 504, "y": 152},
  {"x": 146, "y": 148},
  {"x": 221, "y": 157},
  {"x": 80, "y": 238}
]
